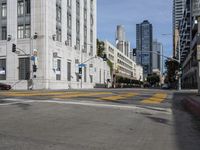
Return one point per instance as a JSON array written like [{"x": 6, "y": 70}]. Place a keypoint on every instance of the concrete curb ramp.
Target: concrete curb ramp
[{"x": 192, "y": 105}]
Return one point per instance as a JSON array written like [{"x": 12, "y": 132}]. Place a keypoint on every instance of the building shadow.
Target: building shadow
[{"x": 186, "y": 126}]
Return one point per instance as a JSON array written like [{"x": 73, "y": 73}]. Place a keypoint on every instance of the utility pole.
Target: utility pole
[{"x": 179, "y": 60}]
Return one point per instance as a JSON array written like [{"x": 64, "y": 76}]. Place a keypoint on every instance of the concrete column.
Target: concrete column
[
  {"x": 198, "y": 58},
  {"x": 198, "y": 77}
]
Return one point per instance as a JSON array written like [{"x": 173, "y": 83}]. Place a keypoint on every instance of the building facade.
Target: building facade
[
  {"x": 123, "y": 65},
  {"x": 144, "y": 41},
  {"x": 56, "y": 36},
  {"x": 178, "y": 10},
  {"x": 188, "y": 48}
]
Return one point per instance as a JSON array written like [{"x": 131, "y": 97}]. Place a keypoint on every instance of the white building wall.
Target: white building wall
[
  {"x": 127, "y": 63},
  {"x": 43, "y": 22}
]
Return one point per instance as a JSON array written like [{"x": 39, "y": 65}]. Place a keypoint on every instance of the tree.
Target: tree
[
  {"x": 172, "y": 67},
  {"x": 153, "y": 79},
  {"x": 100, "y": 48},
  {"x": 101, "y": 53}
]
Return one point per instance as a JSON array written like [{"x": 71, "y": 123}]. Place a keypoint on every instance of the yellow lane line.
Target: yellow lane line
[
  {"x": 119, "y": 97},
  {"x": 64, "y": 94},
  {"x": 155, "y": 99},
  {"x": 24, "y": 94},
  {"x": 83, "y": 94}
]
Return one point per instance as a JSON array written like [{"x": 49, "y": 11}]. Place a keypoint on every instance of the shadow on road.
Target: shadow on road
[{"x": 186, "y": 126}]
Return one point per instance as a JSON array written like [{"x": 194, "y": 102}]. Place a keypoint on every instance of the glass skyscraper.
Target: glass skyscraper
[{"x": 144, "y": 40}]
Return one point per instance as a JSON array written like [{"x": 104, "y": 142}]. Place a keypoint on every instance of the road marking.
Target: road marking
[
  {"x": 55, "y": 94},
  {"x": 81, "y": 94},
  {"x": 155, "y": 99},
  {"x": 97, "y": 104},
  {"x": 119, "y": 97}
]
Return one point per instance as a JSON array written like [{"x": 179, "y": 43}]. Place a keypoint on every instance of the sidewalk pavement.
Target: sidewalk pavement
[{"x": 192, "y": 104}]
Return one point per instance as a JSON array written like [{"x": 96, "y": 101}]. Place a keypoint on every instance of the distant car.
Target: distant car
[
  {"x": 4, "y": 86},
  {"x": 165, "y": 86}
]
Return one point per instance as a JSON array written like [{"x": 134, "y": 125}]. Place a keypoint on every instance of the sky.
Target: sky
[{"x": 128, "y": 13}]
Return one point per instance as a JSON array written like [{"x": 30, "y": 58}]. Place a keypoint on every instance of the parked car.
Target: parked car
[
  {"x": 4, "y": 86},
  {"x": 165, "y": 86}
]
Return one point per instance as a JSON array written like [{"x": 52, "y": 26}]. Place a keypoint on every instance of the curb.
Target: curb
[{"x": 192, "y": 106}]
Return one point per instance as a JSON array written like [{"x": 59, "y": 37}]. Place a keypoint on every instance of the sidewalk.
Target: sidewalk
[{"x": 192, "y": 104}]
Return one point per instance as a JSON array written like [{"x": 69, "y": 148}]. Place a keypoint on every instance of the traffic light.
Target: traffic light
[
  {"x": 80, "y": 70},
  {"x": 13, "y": 48},
  {"x": 34, "y": 68},
  {"x": 134, "y": 52}
]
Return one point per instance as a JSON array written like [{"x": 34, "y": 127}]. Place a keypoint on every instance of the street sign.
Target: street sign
[
  {"x": 2, "y": 72},
  {"x": 82, "y": 65},
  {"x": 196, "y": 7}
]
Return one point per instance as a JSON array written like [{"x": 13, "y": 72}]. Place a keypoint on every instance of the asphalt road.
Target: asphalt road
[{"x": 96, "y": 120}]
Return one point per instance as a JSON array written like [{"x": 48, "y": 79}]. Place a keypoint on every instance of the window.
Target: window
[
  {"x": 91, "y": 20},
  {"x": 4, "y": 33},
  {"x": 69, "y": 3},
  {"x": 3, "y": 10},
  {"x": 85, "y": 32},
  {"x": 2, "y": 69},
  {"x": 24, "y": 68},
  {"x": 78, "y": 43},
  {"x": 68, "y": 71},
  {"x": 69, "y": 39},
  {"x": 27, "y": 31},
  {"x": 69, "y": 20},
  {"x": 77, "y": 26},
  {"x": 58, "y": 35},
  {"x": 28, "y": 6},
  {"x": 91, "y": 36},
  {"x": 58, "y": 74},
  {"x": 78, "y": 7},
  {"x": 20, "y": 32},
  {"x": 58, "y": 13},
  {"x": 20, "y": 8}
]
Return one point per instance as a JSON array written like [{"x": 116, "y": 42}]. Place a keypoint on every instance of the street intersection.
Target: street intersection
[{"x": 100, "y": 119}]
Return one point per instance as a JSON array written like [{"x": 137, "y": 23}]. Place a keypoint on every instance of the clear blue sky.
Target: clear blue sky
[{"x": 111, "y": 13}]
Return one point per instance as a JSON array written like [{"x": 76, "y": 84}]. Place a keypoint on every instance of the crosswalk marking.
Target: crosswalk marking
[
  {"x": 155, "y": 99},
  {"x": 119, "y": 97},
  {"x": 107, "y": 96}
]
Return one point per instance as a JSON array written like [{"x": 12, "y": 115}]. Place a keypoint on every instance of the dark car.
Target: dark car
[
  {"x": 165, "y": 86},
  {"x": 4, "y": 86}
]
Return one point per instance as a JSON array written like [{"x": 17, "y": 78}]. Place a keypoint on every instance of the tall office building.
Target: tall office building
[
  {"x": 59, "y": 35},
  {"x": 122, "y": 44},
  {"x": 144, "y": 40},
  {"x": 178, "y": 10},
  {"x": 156, "y": 56}
]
